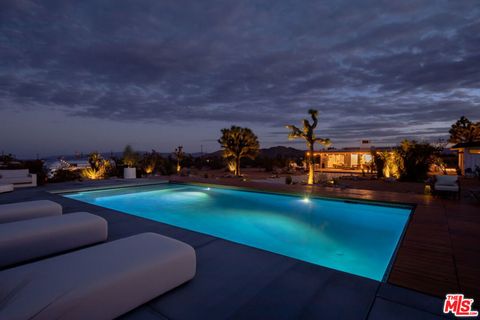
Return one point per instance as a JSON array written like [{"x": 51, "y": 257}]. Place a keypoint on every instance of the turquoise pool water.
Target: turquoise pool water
[{"x": 348, "y": 236}]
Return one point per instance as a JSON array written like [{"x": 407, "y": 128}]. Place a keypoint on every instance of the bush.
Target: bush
[
  {"x": 65, "y": 175},
  {"x": 288, "y": 180},
  {"x": 37, "y": 167},
  {"x": 130, "y": 157},
  {"x": 167, "y": 167},
  {"x": 150, "y": 162},
  {"x": 415, "y": 159}
]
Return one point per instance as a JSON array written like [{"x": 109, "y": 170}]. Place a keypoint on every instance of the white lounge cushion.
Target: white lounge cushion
[
  {"x": 35, "y": 238},
  {"x": 441, "y": 187},
  {"x": 6, "y": 188},
  {"x": 446, "y": 180},
  {"x": 100, "y": 282},
  {"x": 446, "y": 183},
  {"x": 28, "y": 210}
]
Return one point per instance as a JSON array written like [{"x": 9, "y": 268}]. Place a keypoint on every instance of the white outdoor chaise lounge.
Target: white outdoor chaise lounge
[
  {"x": 444, "y": 183},
  {"x": 8, "y": 187},
  {"x": 36, "y": 238},
  {"x": 100, "y": 282},
  {"x": 28, "y": 210}
]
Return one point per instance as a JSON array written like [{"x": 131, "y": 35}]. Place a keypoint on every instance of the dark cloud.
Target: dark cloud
[{"x": 373, "y": 68}]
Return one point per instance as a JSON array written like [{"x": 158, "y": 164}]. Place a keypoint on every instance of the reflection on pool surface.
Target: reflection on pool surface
[{"x": 353, "y": 237}]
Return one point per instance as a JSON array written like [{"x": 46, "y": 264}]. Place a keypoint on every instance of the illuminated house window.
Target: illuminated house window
[{"x": 474, "y": 151}]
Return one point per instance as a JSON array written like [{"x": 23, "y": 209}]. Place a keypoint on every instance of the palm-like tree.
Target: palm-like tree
[
  {"x": 309, "y": 135},
  {"x": 238, "y": 143}
]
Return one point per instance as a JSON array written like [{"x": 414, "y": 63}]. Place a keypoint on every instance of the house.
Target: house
[
  {"x": 468, "y": 156},
  {"x": 346, "y": 159}
]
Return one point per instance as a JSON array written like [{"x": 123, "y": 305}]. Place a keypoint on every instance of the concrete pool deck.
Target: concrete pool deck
[{"x": 236, "y": 281}]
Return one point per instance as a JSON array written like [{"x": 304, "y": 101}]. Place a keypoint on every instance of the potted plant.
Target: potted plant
[{"x": 130, "y": 159}]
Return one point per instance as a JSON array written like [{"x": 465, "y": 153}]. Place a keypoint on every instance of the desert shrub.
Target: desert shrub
[
  {"x": 415, "y": 159},
  {"x": 215, "y": 163},
  {"x": 65, "y": 175},
  {"x": 130, "y": 157},
  {"x": 93, "y": 174},
  {"x": 477, "y": 172},
  {"x": 288, "y": 180},
  {"x": 6, "y": 159},
  {"x": 167, "y": 166},
  {"x": 100, "y": 168},
  {"x": 150, "y": 162},
  {"x": 116, "y": 167},
  {"x": 37, "y": 167},
  {"x": 268, "y": 164}
]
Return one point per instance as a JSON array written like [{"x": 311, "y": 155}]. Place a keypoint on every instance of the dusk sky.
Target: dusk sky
[{"x": 97, "y": 75}]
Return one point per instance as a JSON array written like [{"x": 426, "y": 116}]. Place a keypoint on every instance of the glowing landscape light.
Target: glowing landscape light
[{"x": 306, "y": 199}]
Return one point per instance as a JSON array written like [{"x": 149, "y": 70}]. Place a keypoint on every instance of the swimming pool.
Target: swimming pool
[{"x": 349, "y": 236}]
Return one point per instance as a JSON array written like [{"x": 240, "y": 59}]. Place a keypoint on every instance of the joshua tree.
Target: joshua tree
[
  {"x": 179, "y": 154},
  {"x": 238, "y": 143},
  {"x": 309, "y": 135},
  {"x": 464, "y": 131}
]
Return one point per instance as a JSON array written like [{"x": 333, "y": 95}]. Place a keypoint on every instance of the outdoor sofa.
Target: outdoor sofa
[{"x": 18, "y": 177}]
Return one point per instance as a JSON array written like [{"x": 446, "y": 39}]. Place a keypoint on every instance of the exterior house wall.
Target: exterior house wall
[
  {"x": 355, "y": 159},
  {"x": 471, "y": 160}
]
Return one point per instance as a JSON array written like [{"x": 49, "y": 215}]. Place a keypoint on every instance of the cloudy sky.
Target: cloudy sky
[{"x": 96, "y": 75}]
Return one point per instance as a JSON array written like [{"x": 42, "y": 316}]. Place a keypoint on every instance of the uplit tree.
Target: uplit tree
[
  {"x": 150, "y": 161},
  {"x": 99, "y": 167},
  {"x": 378, "y": 161},
  {"x": 308, "y": 134},
  {"x": 179, "y": 154},
  {"x": 130, "y": 157},
  {"x": 238, "y": 143},
  {"x": 464, "y": 131},
  {"x": 95, "y": 160}
]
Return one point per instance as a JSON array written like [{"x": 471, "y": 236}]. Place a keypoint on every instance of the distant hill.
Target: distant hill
[
  {"x": 272, "y": 152},
  {"x": 286, "y": 152}
]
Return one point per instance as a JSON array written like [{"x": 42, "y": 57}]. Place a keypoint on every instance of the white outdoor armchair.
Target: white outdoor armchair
[{"x": 449, "y": 184}]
